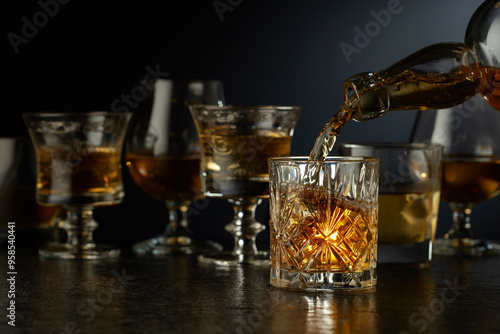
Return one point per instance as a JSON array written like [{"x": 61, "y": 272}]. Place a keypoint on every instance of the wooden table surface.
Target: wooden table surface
[{"x": 178, "y": 295}]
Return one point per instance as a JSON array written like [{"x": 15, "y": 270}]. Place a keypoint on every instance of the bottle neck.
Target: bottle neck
[
  {"x": 436, "y": 77},
  {"x": 367, "y": 93}
]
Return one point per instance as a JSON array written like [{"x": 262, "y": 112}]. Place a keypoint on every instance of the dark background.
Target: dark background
[{"x": 86, "y": 54}]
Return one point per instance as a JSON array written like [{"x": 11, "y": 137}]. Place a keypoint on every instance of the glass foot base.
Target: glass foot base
[
  {"x": 465, "y": 247},
  {"x": 229, "y": 258},
  {"x": 165, "y": 245},
  {"x": 323, "y": 281},
  {"x": 65, "y": 251}
]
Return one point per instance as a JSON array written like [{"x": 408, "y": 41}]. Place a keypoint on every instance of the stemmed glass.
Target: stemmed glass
[
  {"x": 78, "y": 168},
  {"x": 471, "y": 167},
  {"x": 163, "y": 157},
  {"x": 236, "y": 144}
]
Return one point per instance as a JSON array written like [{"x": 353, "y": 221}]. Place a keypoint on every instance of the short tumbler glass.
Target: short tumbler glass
[
  {"x": 323, "y": 223},
  {"x": 410, "y": 183}
]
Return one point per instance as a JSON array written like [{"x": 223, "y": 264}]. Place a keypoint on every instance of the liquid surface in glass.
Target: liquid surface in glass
[
  {"x": 235, "y": 161},
  {"x": 69, "y": 177},
  {"x": 175, "y": 178}
]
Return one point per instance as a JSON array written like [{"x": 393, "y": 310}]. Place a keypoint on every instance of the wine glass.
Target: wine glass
[
  {"x": 236, "y": 143},
  {"x": 78, "y": 168},
  {"x": 471, "y": 167},
  {"x": 163, "y": 158}
]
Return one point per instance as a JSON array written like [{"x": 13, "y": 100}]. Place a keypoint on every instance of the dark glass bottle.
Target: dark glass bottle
[{"x": 439, "y": 76}]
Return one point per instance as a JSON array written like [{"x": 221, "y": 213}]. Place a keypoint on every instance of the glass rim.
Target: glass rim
[
  {"x": 328, "y": 159},
  {"x": 76, "y": 114},
  {"x": 391, "y": 145},
  {"x": 215, "y": 107}
]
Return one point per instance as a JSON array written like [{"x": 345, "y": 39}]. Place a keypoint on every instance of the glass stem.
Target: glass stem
[
  {"x": 461, "y": 228},
  {"x": 177, "y": 218},
  {"x": 79, "y": 226},
  {"x": 244, "y": 227}
]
